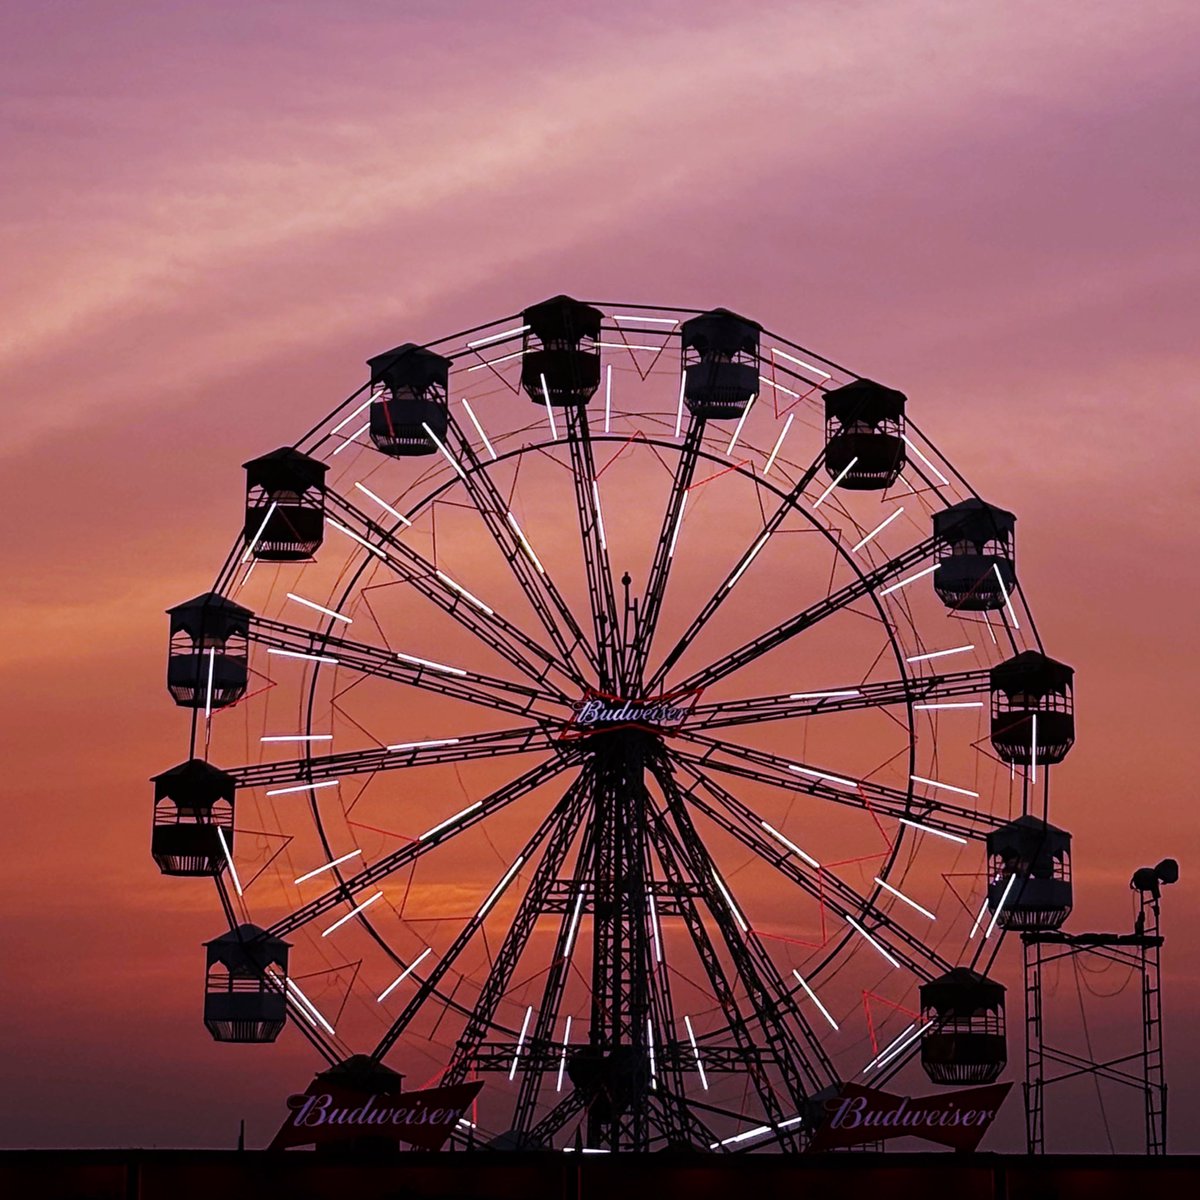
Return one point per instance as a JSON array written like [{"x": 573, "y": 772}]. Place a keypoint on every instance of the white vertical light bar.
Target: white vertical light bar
[
  {"x": 654, "y": 927},
  {"x": 1000, "y": 907},
  {"x": 650, "y": 1043},
  {"x": 346, "y": 420},
  {"x": 679, "y": 410},
  {"x": 352, "y": 913},
  {"x": 762, "y": 541},
  {"x": 979, "y": 918},
  {"x": 574, "y": 925},
  {"x": 608, "y": 397},
  {"x": 678, "y": 525},
  {"x": 741, "y": 421},
  {"x": 599, "y": 515},
  {"x": 212, "y": 662},
  {"x": 920, "y": 1029},
  {"x": 254, "y": 539},
  {"x": 312, "y": 1008},
  {"x": 437, "y": 441},
  {"x": 354, "y": 537},
  {"x": 562, "y": 1062},
  {"x": 501, "y": 886},
  {"x": 887, "y": 887},
  {"x": 1033, "y": 748},
  {"x": 808, "y": 858},
  {"x": 1007, "y": 599},
  {"x": 512, "y": 1071},
  {"x": 926, "y": 461},
  {"x": 813, "y": 997},
  {"x": 537, "y": 562},
  {"x": 479, "y": 428},
  {"x": 855, "y": 925},
  {"x": 237, "y": 883},
  {"x": 549, "y": 409},
  {"x": 412, "y": 966},
  {"x": 786, "y": 426},
  {"x": 696, "y": 1051},
  {"x": 733, "y": 908},
  {"x": 837, "y": 479},
  {"x": 366, "y": 491},
  {"x": 352, "y": 438},
  {"x": 894, "y": 1042},
  {"x": 877, "y": 530}
]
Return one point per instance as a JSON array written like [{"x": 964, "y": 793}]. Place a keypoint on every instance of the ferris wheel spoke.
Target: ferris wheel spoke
[
  {"x": 656, "y": 585},
  {"x": 920, "y": 690},
  {"x": 714, "y": 602},
  {"x": 863, "y": 585},
  {"x": 468, "y": 610},
  {"x": 605, "y": 623},
  {"x": 819, "y": 882},
  {"x": 937, "y": 816},
  {"x": 570, "y": 814},
  {"x": 809, "y": 1053},
  {"x": 299, "y": 775},
  {"x": 444, "y": 679},
  {"x": 563, "y": 823},
  {"x": 527, "y": 568},
  {"x": 348, "y": 888},
  {"x": 671, "y": 855}
]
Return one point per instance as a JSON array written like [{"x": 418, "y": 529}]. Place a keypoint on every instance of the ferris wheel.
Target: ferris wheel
[{"x": 629, "y": 707}]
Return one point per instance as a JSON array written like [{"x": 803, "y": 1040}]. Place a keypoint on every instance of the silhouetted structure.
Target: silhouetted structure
[
  {"x": 1033, "y": 709},
  {"x": 976, "y": 568},
  {"x": 720, "y": 363},
  {"x": 864, "y": 435},
  {"x": 966, "y": 1041},
  {"x": 561, "y": 363},
  {"x": 244, "y": 986},
  {"x": 285, "y": 505},
  {"x": 1029, "y": 874},
  {"x": 410, "y": 386},
  {"x": 207, "y": 665},
  {"x": 193, "y": 814}
]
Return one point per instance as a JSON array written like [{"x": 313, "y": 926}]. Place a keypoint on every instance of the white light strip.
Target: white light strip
[
  {"x": 878, "y": 1059},
  {"x": 991, "y": 632},
  {"x": 445, "y": 453},
  {"x": 938, "y": 654},
  {"x": 915, "y": 1036},
  {"x": 346, "y": 420},
  {"x": 950, "y": 837},
  {"x": 696, "y": 1051},
  {"x": 1000, "y": 907},
  {"x": 549, "y": 409},
  {"x": 949, "y": 787},
  {"x": 758, "y": 1131},
  {"x": 352, "y": 438},
  {"x": 911, "y": 579},
  {"x": 317, "y": 658},
  {"x": 678, "y": 525},
  {"x": 412, "y": 966},
  {"x": 366, "y": 491},
  {"x": 654, "y": 927},
  {"x": 491, "y": 362},
  {"x": 302, "y": 787},
  {"x": 628, "y": 346},
  {"x": 1033, "y": 748},
  {"x": 741, "y": 421},
  {"x": 337, "y": 616},
  {"x": 428, "y": 662},
  {"x": 497, "y": 337},
  {"x": 822, "y": 775},
  {"x": 813, "y": 997},
  {"x": 646, "y": 320},
  {"x": 337, "y": 862},
  {"x": 878, "y": 529},
  {"x": 607, "y": 397},
  {"x": 512, "y": 1071},
  {"x": 208, "y": 694},
  {"x": 479, "y": 428},
  {"x": 354, "y": 537},
  {"x": 786, "y": 426},
  {"x": 562, "y": 1062},
  {"x": 574, "y": 925},
  {"x": 679, "y": 410},
  {"x": 500, "y": 886},
  {"x": 297, "y": 737},
  {"x": 422, "y": 745},
  {"x": 237, "y": 883},
  {"x": 808, "y": 858},
  {"x": 537, "y": 562},
  {"x": 254, "y": 539},
  {"x": 462, "y": 591},
  {"x": 855, "y": 925},
  {"x": 599, "y": 515},
  {"x": 778, "y": 387},
  {"x": 939, "y": 707},
  {"x": 837, "y": 479},
  {"x": 887, "y": 887},
  {"x": 762, "y": 541},
  {"x": 729, "y": 900},
  {"x": 353, "y": 913},
  {"x": 801, "y": 363},
  {"x": 1007, "y": 599},
  {"x": 312, "y": 1008},
  {"x": 281, "y": 987},
  {"x": 909, "y": 444},
  {"x": 458, "y": 816},
  {"x": 979, "y": 919},
  {"x": 823, "y": 695},
  {"x": 650, "y": 1043}
]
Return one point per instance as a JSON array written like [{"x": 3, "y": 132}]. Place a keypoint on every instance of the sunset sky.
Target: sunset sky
[{"x": 215, "y": 212}]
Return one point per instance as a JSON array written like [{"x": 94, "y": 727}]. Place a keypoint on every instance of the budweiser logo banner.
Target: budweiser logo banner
[
  {"x": 331, "y": 1113},
  {"x": 660, "y": 714},
  {"x": 957, "y": 1119}
]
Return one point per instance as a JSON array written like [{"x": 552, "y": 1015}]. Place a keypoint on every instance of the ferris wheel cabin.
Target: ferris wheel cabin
[
  {"x": 207, "y": 663},
  {"x": 285, "y": 506},
  {"x": 244, "y": 996},
  {"x": 193, "y": 812},
  {"x": 409, "y": 386},
  {"x": 561, "y": 362},
  {"x": 720, "y": 363},
  {"x": 864, "y": 435},
  {"x": 1033, "y": 709},
  {"x": 966, "y": 1041},
  {"x": 1029, "y": 875},
  {"x": 975, "y": 562}
]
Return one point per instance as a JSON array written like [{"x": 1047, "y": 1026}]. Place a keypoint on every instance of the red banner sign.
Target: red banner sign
[
  {"x": 598, "y": 712},
  {"x": 957, "y": 1119},
  {"x": 332, "y": 1113}
]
